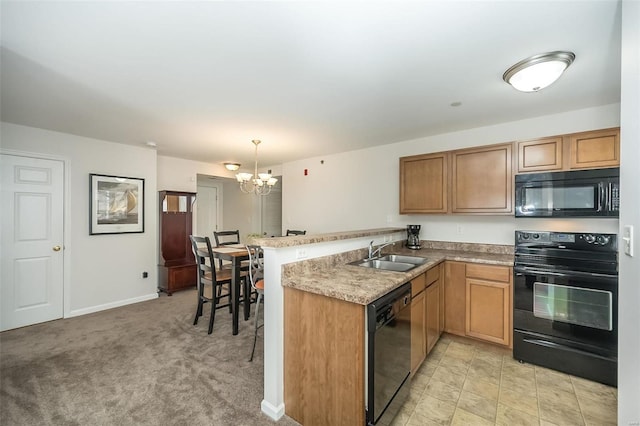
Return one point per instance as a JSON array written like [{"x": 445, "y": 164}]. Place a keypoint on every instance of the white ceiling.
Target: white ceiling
[{"x": 201, "y": 79}]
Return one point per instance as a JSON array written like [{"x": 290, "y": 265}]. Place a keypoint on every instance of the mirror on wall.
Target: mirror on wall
[
  {"x": 174, "y": 204},
  {"x": 221, "y": 205}
]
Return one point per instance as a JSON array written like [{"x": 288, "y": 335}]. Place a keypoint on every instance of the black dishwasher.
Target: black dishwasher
[{"x": 388, "y": 354}]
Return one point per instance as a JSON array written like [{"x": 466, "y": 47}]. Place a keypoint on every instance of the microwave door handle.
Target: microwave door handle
[
  {"x": 609, "y": 205},
  {"x": 601, "y": 196}
]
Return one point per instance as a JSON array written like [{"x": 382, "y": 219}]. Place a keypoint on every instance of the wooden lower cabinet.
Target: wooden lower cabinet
[
  {"x": 433, "y": 314},
  {"x": 455, "y": 298},
  {"x": 418, "y": 332},
  {"x": 324, "y": 371},
  {"x": 418, "y": 322},
  {"x": 442, "y": 304},
  {"x": 478, "y": 301},
  {"x": 487, "y": 311},
  {"x": 427, "y": 320}
]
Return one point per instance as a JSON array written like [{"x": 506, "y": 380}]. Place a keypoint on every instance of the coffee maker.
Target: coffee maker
[{"x": 413, "y": 237}]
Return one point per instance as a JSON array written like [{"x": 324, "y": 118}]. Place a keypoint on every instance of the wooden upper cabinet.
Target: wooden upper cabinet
[
  {"x": 595, "y": 149},
  {"x": 423, "y": 183},
  {"x": 482, "y": 179},
  {"x": 585, "y": 150},
  {"x": 539, "y": 155}
]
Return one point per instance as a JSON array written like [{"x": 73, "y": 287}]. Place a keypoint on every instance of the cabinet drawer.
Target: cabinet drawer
[
  {"x": 432, "y": 275},
  {"x": 417, "y": 284},
  {"x": 491, "y": 273}
]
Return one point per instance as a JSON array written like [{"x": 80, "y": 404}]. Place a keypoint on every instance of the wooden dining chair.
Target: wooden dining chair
[
  {"x": 209, "y": 279},
  {"x": 256, "y": 276},
  {"x": 291, "y": 232},
  {"x": 225, "y": 238}
]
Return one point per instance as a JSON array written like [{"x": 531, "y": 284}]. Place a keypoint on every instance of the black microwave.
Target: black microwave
[{"x": 580, "y": 193}]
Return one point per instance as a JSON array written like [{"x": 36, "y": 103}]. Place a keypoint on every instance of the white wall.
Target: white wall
[
  {"x": 360, "y": 189},
  {"x": 177, "y": 174},
  {"x": 239, "y": 210},
  {"x": 105, "y": 270},
  {"x": 629, "y": 289}
]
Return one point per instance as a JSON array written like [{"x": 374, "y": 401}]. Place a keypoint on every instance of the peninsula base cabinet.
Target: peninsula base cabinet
[
  {"x": 324, "y": 354},
  {"x": 479, "y": 301}
]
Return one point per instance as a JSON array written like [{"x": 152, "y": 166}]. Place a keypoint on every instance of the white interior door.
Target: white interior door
[
  {"x": 32, "y": 210},
  {"x": 207, "y": 211}
]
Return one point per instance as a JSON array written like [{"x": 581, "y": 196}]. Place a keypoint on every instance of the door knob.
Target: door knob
[{"x": 56, "y": 248}]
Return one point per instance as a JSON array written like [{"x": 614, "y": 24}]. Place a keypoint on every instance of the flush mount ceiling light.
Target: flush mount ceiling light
[
  {"x": 232, "y": 166},
  {"x": 538, "y": 71},
  {"x": 257, "y": 183}
]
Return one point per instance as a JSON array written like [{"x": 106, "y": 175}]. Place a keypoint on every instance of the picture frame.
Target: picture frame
[{"x": 116, "y": 204}]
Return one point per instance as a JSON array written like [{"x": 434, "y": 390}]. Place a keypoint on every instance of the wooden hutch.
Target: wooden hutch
[{"x": 176, "y": 264}]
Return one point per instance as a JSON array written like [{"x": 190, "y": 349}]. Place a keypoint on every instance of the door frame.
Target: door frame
[{"x": 66, "y": 215}]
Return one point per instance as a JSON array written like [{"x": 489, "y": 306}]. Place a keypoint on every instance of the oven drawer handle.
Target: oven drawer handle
[{"x": 522, "y": 270}]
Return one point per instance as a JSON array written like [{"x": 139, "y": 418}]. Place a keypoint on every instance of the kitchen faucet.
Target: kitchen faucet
[{"x": 373, "y": 253}]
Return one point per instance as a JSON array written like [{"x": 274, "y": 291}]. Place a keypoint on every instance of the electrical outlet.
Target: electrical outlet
[
  {"x": 460, "y": 229},
  {"x": 301, "y": 254}
]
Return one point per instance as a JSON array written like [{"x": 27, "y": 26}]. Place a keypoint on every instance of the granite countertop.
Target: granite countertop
[
  {"x": 340, "y": 280},
  {"x": 298, "y": 240}
]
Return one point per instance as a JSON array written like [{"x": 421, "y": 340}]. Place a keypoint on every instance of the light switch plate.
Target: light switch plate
[{"x": 627, "y": 240}]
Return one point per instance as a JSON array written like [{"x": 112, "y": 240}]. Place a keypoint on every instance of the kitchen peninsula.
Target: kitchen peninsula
[{"x": 317, "y": 266}]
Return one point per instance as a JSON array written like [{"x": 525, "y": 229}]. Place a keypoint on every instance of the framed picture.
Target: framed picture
[{"x": 116, "y": 204}]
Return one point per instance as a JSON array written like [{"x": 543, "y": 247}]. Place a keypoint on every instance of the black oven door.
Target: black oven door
[{"x": 567, "y": 321}]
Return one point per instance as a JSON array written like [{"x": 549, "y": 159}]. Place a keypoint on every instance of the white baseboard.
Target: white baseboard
[
  {"x": 270, "y": 410},
  {"x": 98, "y": 308}
]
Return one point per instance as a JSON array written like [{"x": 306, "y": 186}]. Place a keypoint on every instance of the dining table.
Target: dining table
[{"x": 236, "y": 253}]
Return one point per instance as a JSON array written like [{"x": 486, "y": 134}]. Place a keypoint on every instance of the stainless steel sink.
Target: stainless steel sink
[
  {"x": 415, "y": 260},
  {"x": 386, "y": 265}
]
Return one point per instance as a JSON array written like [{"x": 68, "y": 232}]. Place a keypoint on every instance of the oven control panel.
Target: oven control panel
[{"x": 568, "y": 239}]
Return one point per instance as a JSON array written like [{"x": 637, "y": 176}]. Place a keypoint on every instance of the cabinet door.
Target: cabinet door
[
  {"x": 488, "y": 315},
  {"x": 418, "y": 344},
  {"x": 432, "y": 315},
  {"x": 441, "y": 284},
  {"x": 454, "y": 298},
  {"x": 482, "y": 180},
  {"x": 423, "y": 183},
  {"x": 595, "y": 149},
  {"x": 538, "y": 155}
]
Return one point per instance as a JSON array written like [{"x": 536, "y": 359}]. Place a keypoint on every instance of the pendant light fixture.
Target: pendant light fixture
[
  {"x": 538, "y": 71},
  {"x": 258, "y": 183}
]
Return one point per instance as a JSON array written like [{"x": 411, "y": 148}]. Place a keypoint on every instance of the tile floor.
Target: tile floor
[{"x": 463, "y": 382}]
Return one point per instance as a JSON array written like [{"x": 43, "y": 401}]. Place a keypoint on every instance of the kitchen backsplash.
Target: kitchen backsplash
[{"x": 486, "y": 248}]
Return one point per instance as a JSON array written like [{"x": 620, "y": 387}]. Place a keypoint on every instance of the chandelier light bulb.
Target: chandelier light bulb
[{"x": 256, "y": 183}]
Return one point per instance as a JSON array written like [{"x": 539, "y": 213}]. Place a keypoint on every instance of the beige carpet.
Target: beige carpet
[{"x": 139, "y": 364}]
